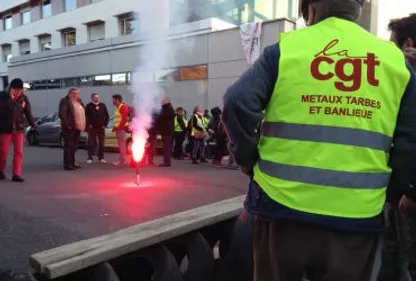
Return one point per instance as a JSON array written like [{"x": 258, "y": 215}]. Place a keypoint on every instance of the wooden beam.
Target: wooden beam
[{"x": 79, "y": 255}]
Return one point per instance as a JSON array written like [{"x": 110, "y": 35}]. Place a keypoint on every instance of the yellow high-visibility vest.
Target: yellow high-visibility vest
[
  {"x": 117, "y": 116},
  {"x": 177, "y": 127},
  {"x": 200, "y": 124},
  {"x": 329, "y": 125}
]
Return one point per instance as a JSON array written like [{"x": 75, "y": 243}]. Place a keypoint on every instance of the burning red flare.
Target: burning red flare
[{"x": 138, "y": 147}]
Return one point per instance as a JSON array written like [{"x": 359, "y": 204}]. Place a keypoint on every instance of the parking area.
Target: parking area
[{"x": 54, "y": 207}]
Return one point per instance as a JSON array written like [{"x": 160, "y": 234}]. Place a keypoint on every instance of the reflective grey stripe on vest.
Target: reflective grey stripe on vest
[
  {"x": 324, "y": 177},
  {"x": 327, "y": 134}
]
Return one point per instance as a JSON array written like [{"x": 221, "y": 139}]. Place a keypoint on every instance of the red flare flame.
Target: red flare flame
[{"x": 138, "y": 147}]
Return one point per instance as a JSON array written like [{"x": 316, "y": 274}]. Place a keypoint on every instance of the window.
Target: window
[
  {"x": 7, "y": 52},
  {"x": 25, "y": 17},
  {"x": 69, "y": 38},
  {"x": 96, "y": 31},
  {"x": 119, "y": 79},
  {"x": 86, "y": 81},
  {"x": 54, "y": 84},
  {"x": 199, "y": 72},
  {"x": 24, "y": 47},
  {"x": 40, "y": 85},
  {"x": 7, "y": 22},
  {"x": 102, "y": 80},
  {"x": 167, "y": 75},
  {"x": 45, "y": 43},
  {"x": 128, "y": 24},
  {"x": 70, "y": 5},
  {"x": 142, "y": 76},
  {"x": 46, "y": 9},
  {"x": 70, "y": 82}
]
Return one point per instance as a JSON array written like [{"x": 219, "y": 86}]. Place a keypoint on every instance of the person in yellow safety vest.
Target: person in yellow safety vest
[
  {"x": 121, "y": 123},
  {"x": 340, "y": 110},
  {"x": 179, "y": 131},
  {"x": 198, "y": 134},
  {"x": 206, "y": 119}
]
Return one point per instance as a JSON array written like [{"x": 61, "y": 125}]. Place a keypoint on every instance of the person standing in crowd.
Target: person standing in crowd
[
  {"x": 318, "y": 179},
  {"x": 198, "y": 135},
  {"x": 151, "y": 141},
  {"x": 73, "y": 122},
  {"x": 165, "y": 125},
  {"x": 206, "y": 118},
  {"x": 97, "y": 121},
  {"x": 399, "y": 253},
  {"x": 216, "y": 128},
  {"x": 14, "y": 107},
  {"x": 180, "y": 125},
  {"x": 121, "y": 117}
]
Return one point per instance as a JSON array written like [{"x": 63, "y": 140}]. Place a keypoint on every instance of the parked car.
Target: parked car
[
  {"x": 110, "y": 141},
  {"x": 49, "y": 132}
]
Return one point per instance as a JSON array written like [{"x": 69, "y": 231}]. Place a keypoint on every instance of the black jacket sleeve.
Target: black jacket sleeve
[
  {"x": 28, "y": 112},
  {"x": 106, "y": 115},
  {"x": 403, "y": 153},
  {"x": 244, "y": 103},
  {"x": 63, "y": 113},
  {"x": 88, "y": 116}
]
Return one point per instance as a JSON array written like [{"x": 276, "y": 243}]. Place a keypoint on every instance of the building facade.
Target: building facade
[{"x": 96, "y": 45}]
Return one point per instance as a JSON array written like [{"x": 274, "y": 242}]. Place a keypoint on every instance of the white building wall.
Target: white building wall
[
  {"x": 105, "y": 11},
  {"x": 225, "y": 65}
]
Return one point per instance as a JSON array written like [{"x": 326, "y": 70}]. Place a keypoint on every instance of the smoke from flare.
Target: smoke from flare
[{"x": 146, "y": 102}]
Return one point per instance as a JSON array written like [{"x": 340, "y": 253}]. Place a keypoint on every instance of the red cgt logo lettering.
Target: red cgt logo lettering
[{"x": 347, "y": 81}]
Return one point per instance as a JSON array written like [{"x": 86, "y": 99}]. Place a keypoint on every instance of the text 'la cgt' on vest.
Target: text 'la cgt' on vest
[{"x": 329, "y": 125}]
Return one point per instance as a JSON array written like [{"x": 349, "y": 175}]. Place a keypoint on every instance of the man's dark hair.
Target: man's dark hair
[
  {"x": 118, "y": 97},
  {"x": 94, "y": 94},
  {"x": 404, "y": 28},
  {"x": 16, "y": 83}
]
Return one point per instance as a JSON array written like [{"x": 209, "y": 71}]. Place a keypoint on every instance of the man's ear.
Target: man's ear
[{"x": 408, "y": 43}]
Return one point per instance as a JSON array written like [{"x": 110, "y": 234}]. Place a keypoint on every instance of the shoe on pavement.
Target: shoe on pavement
[
  {"x": 69, "y": 168},
  {"x": 18, "y": 179},
  {"x": 2, "y": 176},
  {"x": 164, "y": 165},
  {"x": 118, "y": 163},
  {"x": 89, "y": 161},
  {"x": 76, "y": 166},
  {"x": 103, "y": 161}
]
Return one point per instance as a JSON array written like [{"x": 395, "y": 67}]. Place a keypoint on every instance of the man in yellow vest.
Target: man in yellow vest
[
  {"x": 179, "y": 127},
  {"x": 339, "y": 108},
  {"x": 121, "y": 124}
]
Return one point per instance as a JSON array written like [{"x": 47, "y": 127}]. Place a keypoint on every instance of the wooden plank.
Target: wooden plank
[{"x": 79, "y": 255}]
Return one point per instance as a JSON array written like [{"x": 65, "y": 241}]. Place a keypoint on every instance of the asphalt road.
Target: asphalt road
[{"x": 55, "y": 207}]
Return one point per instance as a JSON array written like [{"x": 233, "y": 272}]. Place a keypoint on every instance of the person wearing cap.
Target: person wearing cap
[
  {"x": 14, "y": 107},
  {"x": 338, "y": 126}
]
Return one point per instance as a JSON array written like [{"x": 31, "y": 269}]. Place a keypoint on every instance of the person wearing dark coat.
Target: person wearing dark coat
[
  {"x": 165, "y": 123},
  {"x": 97, "y": 120},
  {"x": 216, "y": 128},
  {"x": 14, "y": 107},
  {"x": 73, "y": 121}
]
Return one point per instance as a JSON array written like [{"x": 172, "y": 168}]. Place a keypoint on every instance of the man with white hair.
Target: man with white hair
[{"x": 339, "y": 117}]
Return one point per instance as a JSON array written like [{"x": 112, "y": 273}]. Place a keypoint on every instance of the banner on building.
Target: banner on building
[{"x": 250, "y": 38}]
